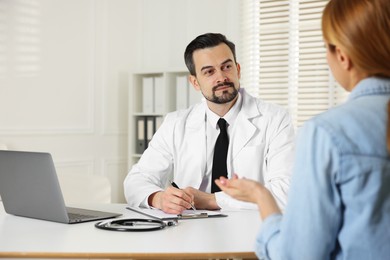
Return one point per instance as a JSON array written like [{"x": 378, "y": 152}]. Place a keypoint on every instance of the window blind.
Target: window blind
[{"x": 284, "y": 59}]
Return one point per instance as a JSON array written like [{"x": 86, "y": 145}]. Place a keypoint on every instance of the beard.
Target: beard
[{"x": 226, "y": 96}]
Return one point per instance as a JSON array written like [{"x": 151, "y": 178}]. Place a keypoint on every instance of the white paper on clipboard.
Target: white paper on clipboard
[{"x": 187, "y": 214}]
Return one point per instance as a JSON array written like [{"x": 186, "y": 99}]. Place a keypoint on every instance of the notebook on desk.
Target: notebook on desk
[{"x": 29, "y": 187}]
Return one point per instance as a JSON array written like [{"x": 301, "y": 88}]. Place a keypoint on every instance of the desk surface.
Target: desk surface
[{"x": 229, "y": 237}]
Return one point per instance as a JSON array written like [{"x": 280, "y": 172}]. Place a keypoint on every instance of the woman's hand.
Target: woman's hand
[{"x": 250, "y": 191}]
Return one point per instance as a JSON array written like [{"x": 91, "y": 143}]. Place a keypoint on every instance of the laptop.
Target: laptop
[{"x": 29, "y": 187}]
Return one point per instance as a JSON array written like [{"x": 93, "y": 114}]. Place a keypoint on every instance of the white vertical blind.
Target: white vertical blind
[{"x": 284, "y": 59}]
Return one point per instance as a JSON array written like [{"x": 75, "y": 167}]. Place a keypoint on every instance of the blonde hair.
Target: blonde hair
[{"x": 362, "y": 29}]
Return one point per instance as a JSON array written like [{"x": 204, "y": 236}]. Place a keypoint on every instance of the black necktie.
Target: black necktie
[{"x": 220, "y": 153}]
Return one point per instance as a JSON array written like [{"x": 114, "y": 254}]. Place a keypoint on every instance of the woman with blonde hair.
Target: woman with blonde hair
[{"x": 339, "y": 200}]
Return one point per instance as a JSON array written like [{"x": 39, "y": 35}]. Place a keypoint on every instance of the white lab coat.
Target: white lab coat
[{"x": 260, "y": 148}]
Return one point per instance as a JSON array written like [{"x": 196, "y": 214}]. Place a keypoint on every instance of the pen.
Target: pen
[{"x": 177, "y": 187}]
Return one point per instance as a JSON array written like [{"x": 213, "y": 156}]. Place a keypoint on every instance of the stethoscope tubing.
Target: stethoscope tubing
[{"x": 125, "y": 225}]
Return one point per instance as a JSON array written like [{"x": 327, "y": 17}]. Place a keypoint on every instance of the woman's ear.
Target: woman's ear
[{"x": 343, "y": 59}]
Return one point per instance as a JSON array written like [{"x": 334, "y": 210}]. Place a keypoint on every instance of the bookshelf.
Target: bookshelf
[{"x": 151, "y": 96}]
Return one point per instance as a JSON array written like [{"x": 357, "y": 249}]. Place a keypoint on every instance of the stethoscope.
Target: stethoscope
[{"x": 134, "y": 224}]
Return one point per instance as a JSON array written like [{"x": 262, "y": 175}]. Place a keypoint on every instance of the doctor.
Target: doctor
[{"x": 260, "y": 145}]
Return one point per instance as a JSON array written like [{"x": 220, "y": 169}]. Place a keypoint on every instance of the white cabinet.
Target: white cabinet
[{"x": 151, "y": 96}]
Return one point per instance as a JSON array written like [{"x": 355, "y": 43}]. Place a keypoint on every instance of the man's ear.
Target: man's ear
[
  {"x": 194, "y": 82},
  {"x": 343, "y": 59}
]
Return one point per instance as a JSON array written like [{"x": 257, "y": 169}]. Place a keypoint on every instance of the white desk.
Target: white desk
[{"x": 229, "y": 237}]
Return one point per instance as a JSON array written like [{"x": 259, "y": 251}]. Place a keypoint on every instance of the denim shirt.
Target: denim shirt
[{"x": 339, "y": 201}]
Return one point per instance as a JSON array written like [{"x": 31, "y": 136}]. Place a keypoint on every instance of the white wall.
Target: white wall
[{"x": 64, "y": 67}]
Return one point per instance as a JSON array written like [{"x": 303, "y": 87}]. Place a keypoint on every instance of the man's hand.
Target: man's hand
[
  {"x": 202, "y": 200},
  {"x": 172, "y": 200}
]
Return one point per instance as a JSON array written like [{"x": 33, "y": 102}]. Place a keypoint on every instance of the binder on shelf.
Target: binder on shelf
[
  {"x": 147, "y": 95},
  {"x": 158, "y": 122},
  {"x": 150, "y": 129},
  {"x": 155, "y": 94},
  {"x": 140, "y": 132},
  {"x": 146, "y": 127},
  {"x": 181, "y": 92},
  {"x": 159, "y": 95}
]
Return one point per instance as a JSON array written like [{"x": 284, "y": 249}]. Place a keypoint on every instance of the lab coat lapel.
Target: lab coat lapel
[
  {"x": 196, "y": 129},
  {"x": 244, "y": 129}
]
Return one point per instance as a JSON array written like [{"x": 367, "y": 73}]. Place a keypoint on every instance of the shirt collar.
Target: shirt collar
[
  {"x": 371, "y": 86},
  {"x": 230, "y": 116}
]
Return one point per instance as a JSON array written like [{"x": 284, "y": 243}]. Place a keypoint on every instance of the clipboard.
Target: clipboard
[{"x": 187, "y": 214}]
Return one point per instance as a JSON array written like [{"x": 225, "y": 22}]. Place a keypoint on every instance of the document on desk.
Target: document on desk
[{"x": 187, "y": 214}]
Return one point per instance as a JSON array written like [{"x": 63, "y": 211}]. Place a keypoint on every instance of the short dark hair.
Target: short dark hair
[{"x": 204, "y": 41}]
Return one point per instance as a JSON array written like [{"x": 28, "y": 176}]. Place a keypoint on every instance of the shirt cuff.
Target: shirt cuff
[
  {"x": 224, "y": 201},
  {"x": 269, "y": 231}
]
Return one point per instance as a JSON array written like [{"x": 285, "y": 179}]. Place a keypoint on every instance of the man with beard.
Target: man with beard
[{"x": 258, "y": 140}]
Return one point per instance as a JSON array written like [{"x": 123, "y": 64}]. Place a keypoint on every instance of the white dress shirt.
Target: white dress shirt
[{"x": 212, "y": 133}]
